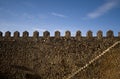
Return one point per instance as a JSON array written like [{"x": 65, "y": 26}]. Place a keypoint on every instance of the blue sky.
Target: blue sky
[{"x": 62, "y": 15}]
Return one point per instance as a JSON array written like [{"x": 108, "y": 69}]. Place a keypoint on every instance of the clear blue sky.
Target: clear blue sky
[{"x": 60, "y": 15}]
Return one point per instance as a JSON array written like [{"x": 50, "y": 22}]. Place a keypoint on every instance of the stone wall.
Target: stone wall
[{"x": 46, "y": 57}]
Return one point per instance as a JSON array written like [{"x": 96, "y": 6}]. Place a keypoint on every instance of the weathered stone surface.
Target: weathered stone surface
[
  {"x": 28, "y": 59},
  {"x": 7, "y": 34},
  {"x": 118, "y": 34},
  {"x": 78, "y": 35},
  {"x": 67, "y": 34},
  {"x": 89, "y": 34},
  {"x": 57, "y": 34},
  {"x": 1, "y": 34},
  {"x": 16, "y": 34},
  {"x": 36, "y": 34},
  {"x": 110, "y": 34},
  {"x": 99, "y": 34},
  {"x": 46, "y": 34},
  {"x": 25, "y": 34}
]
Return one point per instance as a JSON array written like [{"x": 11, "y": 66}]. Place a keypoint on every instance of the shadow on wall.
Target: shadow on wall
[
  {"x": 32, "y": 76},
  {"x": 27, "y": 75},
  {"x": 4, "y": 76}
]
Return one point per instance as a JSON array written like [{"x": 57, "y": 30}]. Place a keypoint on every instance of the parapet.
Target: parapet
[
  {"x": 118, "y": 34},
  {"x": 78, "y": 35},
  {"x": 110, "y": 34},
  {"x": 89, "y": 34},
  {"x": 68, "y": 34},
  {"x": 46, "y": 34},
  {"x": 25, "y": 34},
  {"x": 7, "y": 34},
  {"x": 16, "y": 34},
  {"x": 35, "y": 34},
  {"x": 99, "y": 34},
  {"x": 57, "y": 35},
  {"x": 1, "y": 34}
]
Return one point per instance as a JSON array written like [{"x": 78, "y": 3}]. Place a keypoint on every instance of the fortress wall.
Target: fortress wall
[{"x": 46, "y": 55}]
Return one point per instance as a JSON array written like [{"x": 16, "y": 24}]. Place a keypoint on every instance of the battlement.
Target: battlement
[{"x": 57, "y": 34}]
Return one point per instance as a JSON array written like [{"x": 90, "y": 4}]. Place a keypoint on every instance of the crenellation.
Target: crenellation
[
  {"x": 46, "y": 34},
  {"x": 110, "y": 34},
  {"x": 89, "y": 34},
  {"x": 35, "y": 34},
  {"x": 25, "y": 34},
  {"x": 7, "y": 34},
  {"x": 118, "y": 34},
  {"x": 1, "y": 34},
  {"x": 16, "y": 34},
  {"x": 99, "y": 34},
  {"x": 57, "y": 34},
  {"x": 67, "y": 34},
  {"x": 78, "y": 35}
]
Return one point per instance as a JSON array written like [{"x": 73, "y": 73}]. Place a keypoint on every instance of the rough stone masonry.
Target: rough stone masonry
[{"x": 56, "y": 57}]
